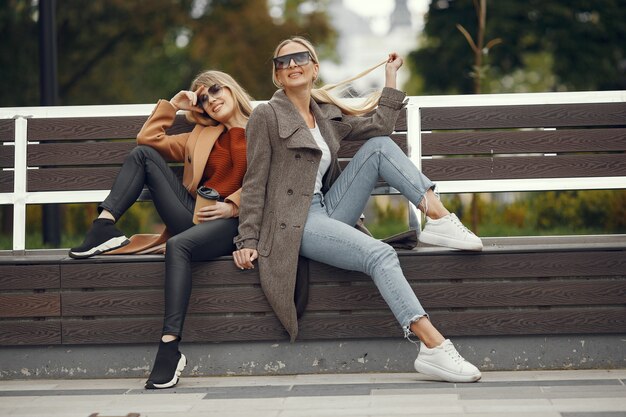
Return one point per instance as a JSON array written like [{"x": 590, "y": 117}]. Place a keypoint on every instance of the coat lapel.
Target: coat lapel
[
  {"x": 291, "y": 126},
  {"x": 202, "y": 148}
]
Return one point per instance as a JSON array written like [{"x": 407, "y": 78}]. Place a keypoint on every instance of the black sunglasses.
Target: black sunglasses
[
  {"x": 214, "y": 91},
  {"x": 300, "y": 58}
]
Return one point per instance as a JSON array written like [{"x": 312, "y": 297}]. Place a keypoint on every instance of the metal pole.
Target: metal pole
[{"x": 49, "y": 94}]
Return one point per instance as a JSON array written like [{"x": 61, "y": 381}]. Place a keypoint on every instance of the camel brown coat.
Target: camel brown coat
[
  {"x": 278, "y": 186},
  {"x": 192, "y": 148}
]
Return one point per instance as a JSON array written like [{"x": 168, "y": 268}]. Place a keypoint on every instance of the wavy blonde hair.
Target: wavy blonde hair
[
  {"x": 323, "y": 94},
  {"x": 209, "y": 78}
]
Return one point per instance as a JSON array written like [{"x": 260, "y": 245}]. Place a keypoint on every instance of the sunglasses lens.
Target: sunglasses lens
[
  {"x": 215, "y": 90},
  {"x": 300, "y": 58}
]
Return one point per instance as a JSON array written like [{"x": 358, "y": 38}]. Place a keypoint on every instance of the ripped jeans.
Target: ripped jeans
[{"x": 329, "y": 235}]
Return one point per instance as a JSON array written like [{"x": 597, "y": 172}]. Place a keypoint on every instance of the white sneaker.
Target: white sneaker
[
  {"x": 444, "y": 362},
  {"x": 448, "y": 231}
]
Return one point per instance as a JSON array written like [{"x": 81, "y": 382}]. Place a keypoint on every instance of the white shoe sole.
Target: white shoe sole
[
  {"x": 109, "y": 245},
  {"x": 443, "y": 374},
  {"x": 182, "y": 362},
  {"x": 445, "y": 241}
]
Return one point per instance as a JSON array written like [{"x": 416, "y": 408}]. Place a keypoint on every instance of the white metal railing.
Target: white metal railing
[{"x": 20, "y": 197}]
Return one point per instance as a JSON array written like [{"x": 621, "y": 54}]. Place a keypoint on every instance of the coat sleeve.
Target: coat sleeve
[
  {"x": 255, "y": 181},
  {"x": 382, "y": 121},
  {"x": 171, "y": 147}
]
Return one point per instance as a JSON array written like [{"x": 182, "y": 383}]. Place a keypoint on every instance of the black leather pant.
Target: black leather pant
[{"x": 202, "y": 242}]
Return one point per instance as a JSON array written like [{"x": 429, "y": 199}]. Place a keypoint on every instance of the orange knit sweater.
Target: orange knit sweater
[{"x": 226, "y": 166}]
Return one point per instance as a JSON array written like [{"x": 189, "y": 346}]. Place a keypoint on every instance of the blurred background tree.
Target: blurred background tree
[{"x": 573, "y": 45}]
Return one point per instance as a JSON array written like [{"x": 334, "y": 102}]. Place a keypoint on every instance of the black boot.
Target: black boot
[{"x": 168, "y": 365}]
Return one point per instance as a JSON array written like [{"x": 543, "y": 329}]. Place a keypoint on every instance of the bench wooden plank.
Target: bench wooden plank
[
  {"x": 480, "y": 323},
  {"x": 6, "y": 181},
  {"x": 7, "y": 156},
  {"x": 146, "y": 302},
  {"x": 76, "y": 178},
  {"x": 118, "y": 273},
  {"x": 7, "y": 130},
  {"x": 472, "y": 295},
  {"x": 30, "y": 332},
  {"x": 30, "y": 277},
  {"x": 562, "y": 166},
  {"x": 489, "y": 265},
  {"x": 30, "y": 305},
  {"x": 94, "y": 153},
  {"x": 521, "y": 116},
  {"x": 525, "y": 142},
  {"x": 82, "y": 128},
  {"x": 148, "y": 330}
]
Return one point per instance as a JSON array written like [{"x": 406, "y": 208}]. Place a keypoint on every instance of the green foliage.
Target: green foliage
[
  {"x": 119, "y": 51},
  {"x": 580, "y": 46},
  {"x": 388, "y": 219}
]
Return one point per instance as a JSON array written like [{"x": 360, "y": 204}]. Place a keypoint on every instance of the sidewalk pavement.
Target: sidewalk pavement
[{"x": 584, "y": 393}]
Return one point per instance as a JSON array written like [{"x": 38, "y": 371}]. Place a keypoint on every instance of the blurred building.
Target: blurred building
[{"x": 359, "y": 47}]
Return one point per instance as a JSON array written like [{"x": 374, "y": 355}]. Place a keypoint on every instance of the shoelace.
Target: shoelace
[
  {"x": 455, "y": 220},
  {"x": 452, "y": 352}
]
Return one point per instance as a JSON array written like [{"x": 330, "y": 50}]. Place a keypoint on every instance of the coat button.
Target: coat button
[
  {"x": 290, "y": 191},
  {"x": 283, "y": 225},
  {"x": 298, "y": 156}
]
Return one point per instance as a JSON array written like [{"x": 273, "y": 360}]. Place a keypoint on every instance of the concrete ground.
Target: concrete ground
[{"x": 576, "y": 393}]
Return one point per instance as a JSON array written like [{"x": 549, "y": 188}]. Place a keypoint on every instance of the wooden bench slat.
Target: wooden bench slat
[
  {"x": 506, "y": 142},
  {"x": 81, "y": 128},
  {"x": 519, "y": 116},
  {"x": 75, "y": 178},
  {"x": 479, "y": 323},
  {"x": 7, "y": 156},
  {"x": 472, "y": 295},
  {"x": 7, "y": 130},
  {"x": 30, "y": 277},
  {"x": 118, "y": 274},
  {"x": 490, "y": 265},
  {"x": 30, "y": 332},
  {"x": 30, "y": 305},
  {"x": 95, "y": 153},
  {"x": 6, "y": 181},
  {"x": 560, "y": 166},
  {"x": 148, "y": 302},
  {"x": 148, "y": 330}
]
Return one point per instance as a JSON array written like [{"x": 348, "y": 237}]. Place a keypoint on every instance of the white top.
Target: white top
[{"x": 324, "y": 161}]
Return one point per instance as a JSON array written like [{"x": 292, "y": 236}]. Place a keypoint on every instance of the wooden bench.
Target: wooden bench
[{"x": 490, "y": 143}]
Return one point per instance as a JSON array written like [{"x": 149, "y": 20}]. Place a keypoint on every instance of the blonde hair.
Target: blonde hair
[
  {"x": 209, "y": 78},
  {"x": 323, "y": 94}
]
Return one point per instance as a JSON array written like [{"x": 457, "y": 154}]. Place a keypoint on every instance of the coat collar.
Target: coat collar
[{"x": 293, "y": 127}]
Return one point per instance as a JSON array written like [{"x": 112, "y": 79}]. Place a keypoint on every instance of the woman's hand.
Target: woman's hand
[
  {"x": 218, "y": 210},
  {"x": 394, "y": 62},
  {"x": 187, "y": 100},
  {"x": 244, "y": 257}
]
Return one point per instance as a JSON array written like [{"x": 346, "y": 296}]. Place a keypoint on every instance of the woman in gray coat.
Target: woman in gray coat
[{"x": 296, "y": 201}]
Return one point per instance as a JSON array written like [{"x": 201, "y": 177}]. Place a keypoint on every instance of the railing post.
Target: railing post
[
  {"x": 19, "y": 185},
  {"x": 414, "y": 141}
]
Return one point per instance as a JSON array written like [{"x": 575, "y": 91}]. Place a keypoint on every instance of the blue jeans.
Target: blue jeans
[{"x": 329, "y": 233}]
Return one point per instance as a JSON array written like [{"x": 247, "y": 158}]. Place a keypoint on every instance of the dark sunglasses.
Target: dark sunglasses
[
  {"x": 214, "y": 91},
  {"x": 300, "y": 58}
]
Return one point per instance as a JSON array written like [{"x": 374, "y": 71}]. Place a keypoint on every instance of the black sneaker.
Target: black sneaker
[
  {"x": 168, "y": 365},
  {"x": 102, "y": 237}
]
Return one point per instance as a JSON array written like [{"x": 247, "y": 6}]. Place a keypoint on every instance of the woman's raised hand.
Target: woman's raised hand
[
  {"x": 187, "y": 100},
  {"x": 394, "y": 62}
]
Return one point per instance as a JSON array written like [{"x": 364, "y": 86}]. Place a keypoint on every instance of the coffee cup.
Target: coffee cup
[{"x": 205, "y": 196}]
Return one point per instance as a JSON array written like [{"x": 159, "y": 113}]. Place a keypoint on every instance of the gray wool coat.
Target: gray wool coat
[{"x": 278, "y": 186}]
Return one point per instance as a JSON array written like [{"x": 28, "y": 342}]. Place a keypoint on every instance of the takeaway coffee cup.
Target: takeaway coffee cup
[{"x": 205, "y": 196}]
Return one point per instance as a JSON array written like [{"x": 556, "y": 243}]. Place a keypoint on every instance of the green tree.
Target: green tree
[
  {"x": 584, "y": 38},
  {"x": 119, "y": 51}
]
